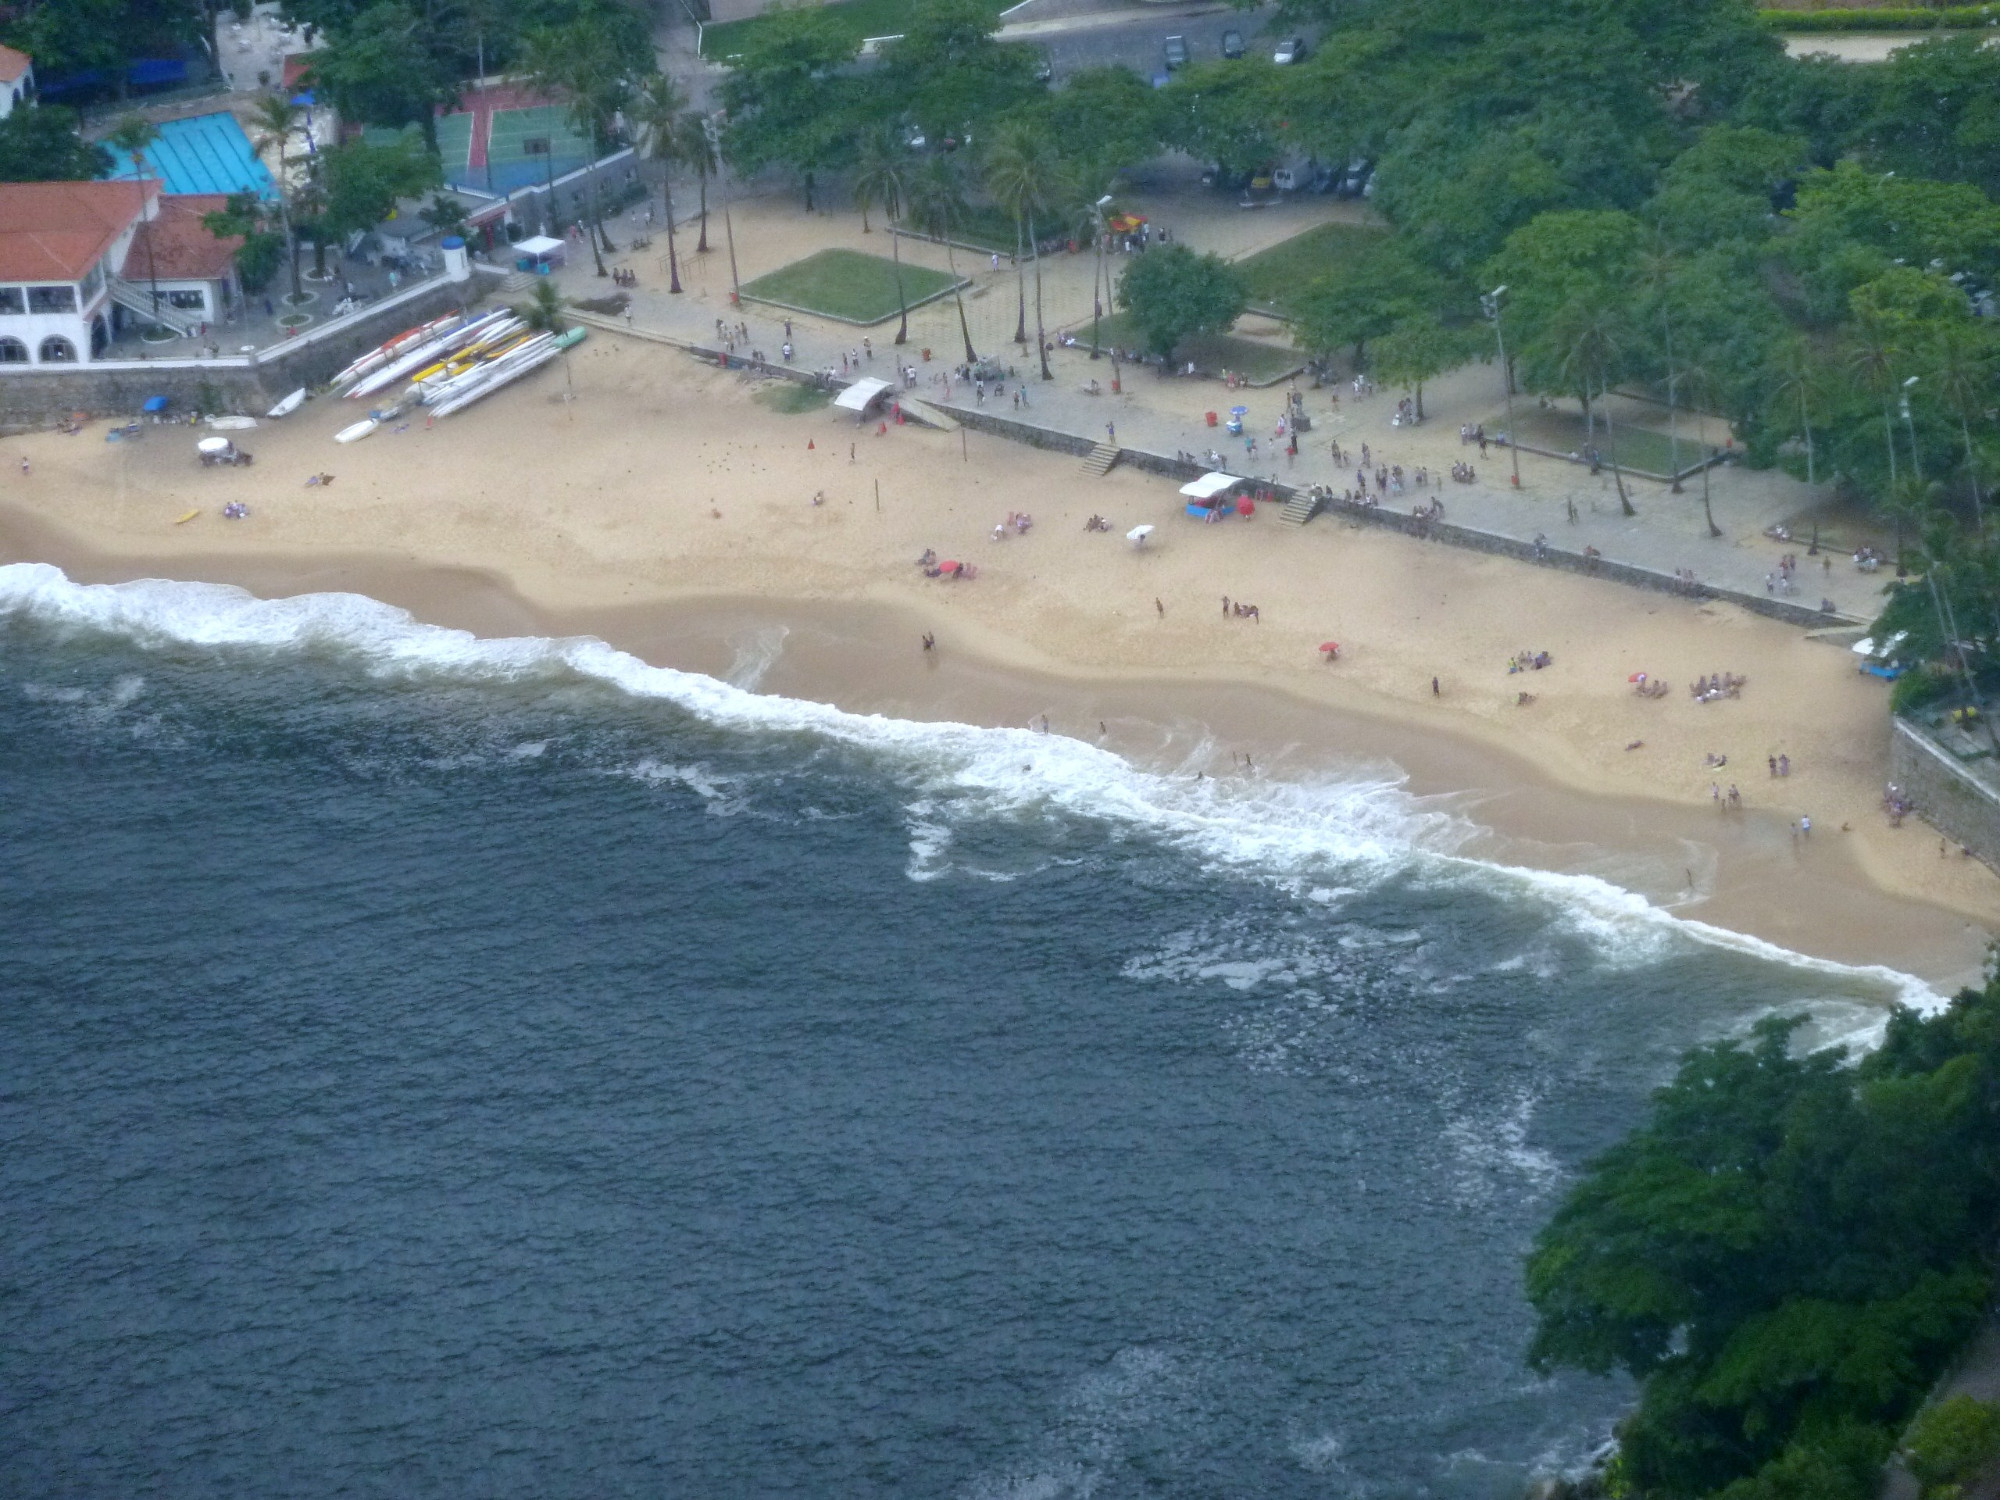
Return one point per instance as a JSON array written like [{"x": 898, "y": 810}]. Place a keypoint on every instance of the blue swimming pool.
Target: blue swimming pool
[{"x": 206, "y": 154}]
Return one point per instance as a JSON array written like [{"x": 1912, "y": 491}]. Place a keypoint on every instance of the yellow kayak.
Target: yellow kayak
[{"x": 187, "y": 518}]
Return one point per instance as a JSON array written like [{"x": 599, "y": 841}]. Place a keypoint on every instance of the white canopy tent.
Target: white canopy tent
[
  {"x": 541, "y": 248},
  {"x": 1210, "y": 485},
  {"x": 861, "y": 395}
]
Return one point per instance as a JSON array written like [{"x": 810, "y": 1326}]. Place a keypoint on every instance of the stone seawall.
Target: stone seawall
[
  {"x": 1948, "y": 796},
  {"x": 32, "y": 399}
]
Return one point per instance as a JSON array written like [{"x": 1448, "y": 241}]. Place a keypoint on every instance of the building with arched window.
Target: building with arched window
[{"x": 80, "y": 260}]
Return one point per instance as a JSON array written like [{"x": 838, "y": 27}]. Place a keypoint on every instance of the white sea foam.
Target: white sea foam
[{"x": 1353, "y": 830}]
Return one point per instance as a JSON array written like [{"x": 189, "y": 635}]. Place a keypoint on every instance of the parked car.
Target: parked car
[
  {"x": 1177, "y": 52},
  {"x": 1291, "y": 50},
  {"x": 1289, "y": 179},
  {"x": 1355, "y": 177},
  {"x": 1232, "y": 44}
]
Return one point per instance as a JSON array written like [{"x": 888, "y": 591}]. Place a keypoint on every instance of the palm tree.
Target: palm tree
[
  {"x": 1595, "y": 335},
  {"x": 274, "y": 118},
  {"x": 937, "y": 203},
  {"x": 135, "y": 136},
  {"x": 661, "y": 112},
  {"x": 698, "y": 151},
  {"x": 1872, "y": 359},
  {"x": 1657, "y": 266},
  {"x": 1699, "y": 383},
  {"x": 1962, "y": 360},
  {"x": 544, "y": 311},
  {"x": 1794, "y": 370},
  {"x": 1023, "y": 174},
  {"x": 880, "y": 179},
  {"x": 580, "y": 62}
]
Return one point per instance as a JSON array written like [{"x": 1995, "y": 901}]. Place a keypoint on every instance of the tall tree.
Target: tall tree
[
  {"x": 134, "y": 135},
  {"x": 937, "y": 203},
  {"x": 1960, "y": 365},
  {"x": 881, "y": 178},
  {"x": 589, "y": 64},
  {"x": 273, "y": 118},
  {"x": 383, "y": 68},
  {"x": 1023, "y": 174},
  {"x": 662, "y": 117},
  {"x": 1174, "y": 294}
]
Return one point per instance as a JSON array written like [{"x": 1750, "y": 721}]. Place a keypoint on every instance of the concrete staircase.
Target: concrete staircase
[
  {"x": 1098, "y": 462},
  {"x": 139, "y": 299},
  {"x": 1301, "y": 508}
]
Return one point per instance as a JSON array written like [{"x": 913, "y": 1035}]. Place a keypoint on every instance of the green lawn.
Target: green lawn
[
  {"x": 857, "y": 19},
  {"x": 1211, "y": 353},
  {"x": 1637, "y": 447},
  {"x": 1274, "y": 273},
  {"x": 847, "y": 285}
]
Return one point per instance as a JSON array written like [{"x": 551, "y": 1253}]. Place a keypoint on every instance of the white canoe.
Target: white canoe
[
  {"x": 232, "y": 424},
  {"x": 290, "y": 404},
  {"x": 357, "y": 432}
]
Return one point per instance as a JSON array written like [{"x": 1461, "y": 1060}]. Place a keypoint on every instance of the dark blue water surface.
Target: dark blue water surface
[{"x": 431, "y": 1087}]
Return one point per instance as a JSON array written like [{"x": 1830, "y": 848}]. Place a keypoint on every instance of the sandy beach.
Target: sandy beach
[{"x": 668, "y": 509}]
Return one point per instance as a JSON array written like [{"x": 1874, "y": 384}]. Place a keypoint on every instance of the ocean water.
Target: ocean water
[{"x": 442, "y": 1067}]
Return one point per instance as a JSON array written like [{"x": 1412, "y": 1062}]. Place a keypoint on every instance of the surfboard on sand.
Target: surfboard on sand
[{"x": 290, "y": 404}]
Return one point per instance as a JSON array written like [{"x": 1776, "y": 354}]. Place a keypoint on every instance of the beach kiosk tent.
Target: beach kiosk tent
[
  {"x": 1207, "y": 492},
  {"x": 861, "y": 395},
  {"x": 539, "y": 254}
]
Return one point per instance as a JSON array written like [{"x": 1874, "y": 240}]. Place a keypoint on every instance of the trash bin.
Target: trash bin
[{"x": 1211, "y": 418}]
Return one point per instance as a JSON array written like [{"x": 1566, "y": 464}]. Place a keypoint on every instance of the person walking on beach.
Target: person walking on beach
[
  {"x": 25, "y": 465},
  {"x": 1225, "y": 606},
  {"x": 1159, "y": 606},
  {"x": 1434, "y": 689},
  {"x": 1111, "y": 432}
]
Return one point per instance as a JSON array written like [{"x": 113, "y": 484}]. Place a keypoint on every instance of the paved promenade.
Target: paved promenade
[{"x": 1167, "y": 415}]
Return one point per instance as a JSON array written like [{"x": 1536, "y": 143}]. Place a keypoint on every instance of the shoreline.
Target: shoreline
[
  {"x": 667, "y": 510},
  {"x": 1741, "y": 873}
]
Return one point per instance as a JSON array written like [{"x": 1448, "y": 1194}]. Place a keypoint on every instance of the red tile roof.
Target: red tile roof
[
  {"x": 13, "y": 64},
  {"x": 175, "y": 245},
  {"x": 55, "y": 231}
]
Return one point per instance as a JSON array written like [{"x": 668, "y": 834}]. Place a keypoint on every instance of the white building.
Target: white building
[
  {"x": 17, "y": 80},
  {"x": 81, "y": 260}
]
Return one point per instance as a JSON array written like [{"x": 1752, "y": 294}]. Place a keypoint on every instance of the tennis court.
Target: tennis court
[
  {"x": 502, "y": 139},
  {"x": 525, "y": 146}
]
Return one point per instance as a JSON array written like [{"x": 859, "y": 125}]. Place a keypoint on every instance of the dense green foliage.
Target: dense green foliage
[
  {"x": 41, "y": 145},
  {"x": 1173, "y": 293},
  {"x": 68, "y": 37},
  {"x": 1952, "y": 1443},
  {"x": 1786, "y": 1254}
]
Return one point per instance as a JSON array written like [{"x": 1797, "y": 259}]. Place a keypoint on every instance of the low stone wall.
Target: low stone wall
[
  {"x": 1021, "y": 432},
  {"x": 31, "y": 399},
  {"x": 1550, "y": 556},
  {"x": 1948, "y": 796}
]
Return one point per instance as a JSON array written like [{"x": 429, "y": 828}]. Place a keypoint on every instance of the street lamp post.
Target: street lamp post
[
  {"x": 1909, "y": 424},
  {"x": 1097, "y": 286},
  {"x": 1490, "y": 303}
]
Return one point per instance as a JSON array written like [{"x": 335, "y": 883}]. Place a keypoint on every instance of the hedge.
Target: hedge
[{"x": 1949, "y": 18}]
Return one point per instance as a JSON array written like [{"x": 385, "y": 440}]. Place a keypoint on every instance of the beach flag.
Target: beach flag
[{"x": 809, "y": 445}]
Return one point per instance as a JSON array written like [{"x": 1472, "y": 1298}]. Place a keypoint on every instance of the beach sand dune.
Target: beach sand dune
[{"x": 669, "y": 509}]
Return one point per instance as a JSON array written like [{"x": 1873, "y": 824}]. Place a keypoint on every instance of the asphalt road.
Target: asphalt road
[{"x": 1138, "y": 42}]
